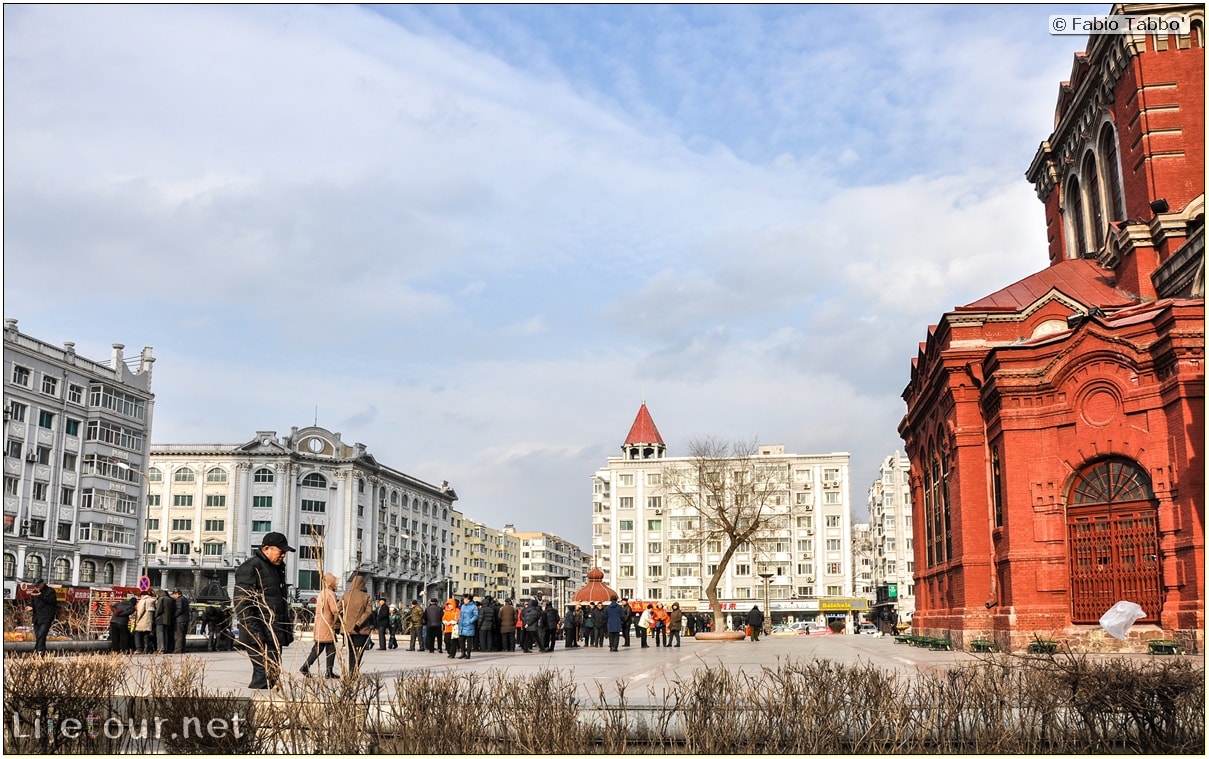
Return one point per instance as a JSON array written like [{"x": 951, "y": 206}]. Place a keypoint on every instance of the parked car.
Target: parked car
[{"x": 867, "y": 628}]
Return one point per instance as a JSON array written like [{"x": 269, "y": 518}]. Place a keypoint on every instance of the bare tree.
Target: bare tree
[{"x": 735, "y": 492}]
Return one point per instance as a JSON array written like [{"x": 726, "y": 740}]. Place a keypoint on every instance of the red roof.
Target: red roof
[
  {"x": 643, "y": 430},
  {"x": 595, "y": 590},
  {"x": 1082, "y": 279}
]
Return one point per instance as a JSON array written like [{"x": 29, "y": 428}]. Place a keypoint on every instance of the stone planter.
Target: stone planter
[{"x": 721, "y": 635}]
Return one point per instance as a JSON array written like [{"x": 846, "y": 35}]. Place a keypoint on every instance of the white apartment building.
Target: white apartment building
[
  {"x": 890, "y": 534},
  {"x": 210, "y": 505},
  {"x": 75, "y": 436},
  {"x": 549, "y": 566},
  {"x": 647, "y": 541}
]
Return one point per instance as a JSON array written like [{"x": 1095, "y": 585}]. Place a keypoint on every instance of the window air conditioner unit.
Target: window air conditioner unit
[
  {"x": 31, "y": 458},
  {"x": 658, "y": 512},
  {"x": 809, "y": 578}
]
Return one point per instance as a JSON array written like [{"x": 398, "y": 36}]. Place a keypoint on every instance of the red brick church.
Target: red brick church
[{"x": 1056, "y": 427}]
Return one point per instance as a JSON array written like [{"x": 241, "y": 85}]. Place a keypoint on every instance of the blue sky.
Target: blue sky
[{"x": 477, "y": 238}]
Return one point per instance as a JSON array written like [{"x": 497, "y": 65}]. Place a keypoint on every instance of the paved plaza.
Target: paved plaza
[{"x": 644, "y": 673}]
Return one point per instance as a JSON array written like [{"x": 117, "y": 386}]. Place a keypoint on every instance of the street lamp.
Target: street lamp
[
  {"x": 561, "y": 589},
  {"x": 766, "y": 576},
  {"x": 146, "y": 531}
]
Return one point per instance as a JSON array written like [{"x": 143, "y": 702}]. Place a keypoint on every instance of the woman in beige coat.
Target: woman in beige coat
[
  {"x": 144, "y": 624},
  {"x": 327, "y": 612},
  {"x": 356, "y": 621}
]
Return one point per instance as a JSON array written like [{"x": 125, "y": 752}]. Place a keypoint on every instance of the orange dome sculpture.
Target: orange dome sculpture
[{"x": 595, "y": 590}]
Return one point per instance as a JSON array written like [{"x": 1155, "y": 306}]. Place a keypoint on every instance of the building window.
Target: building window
[
  {"x": 46, "y": 420},
  {"x": 214, "y": 549},
  {"x": 88, "y": 571},
  {"x": 317, "y": 507},
  {"x": 39, "y": 491},
  {"x": 16, "y": 411},
  {"x": 262, "y": 475},
  {"x": 216, "y": 501},
  {"x": 182, "y": 501},
  {"x": 61, "y": 571},
  {"x": 1076, "y": 231},
  {"x": 654, "y": 525},
  {"x": 654, "y": 548},
  {"x": 33, "y": 566},
  {"x": 75, "y": 394},
  {"x": 63, "y": 531},
  {"x": 654, "y": 502},
  {"x": 261, "y": 525},
  {"x": 153, "y": 524},
  {"x": 184, "y": 474},
  {"x": 834, "y": 520},
  {"x": 654, "y": 478},
  {"x": 69, "y": 461},
  {"x": 314, "y": 480},
  {"x": 654, "y": 571},
  {"x": 107, "y": 573},
  {"x": 12, "y": 449},
  {"x": 155, "y": 475},
  {"x": 833, "y": 497},
  {"x": 10, "y": 566},
  {"x": 182, "y": 524},
  {"x": 214, "y": 525},
  {"x": 11, "y": 485},
  {"x": 262, "y": 501},
  {"x": 216, "y": 474},
  {"x": 179, "y": 549},
  {"x": 625, "y": 502},
  {"x": 50, "y": 385},
  {"x": 21, "y": 376},
  {"x": 743, "y": 570}
]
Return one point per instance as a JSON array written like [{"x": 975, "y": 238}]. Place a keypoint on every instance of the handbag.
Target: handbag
[{"x": 453, "y": 634}]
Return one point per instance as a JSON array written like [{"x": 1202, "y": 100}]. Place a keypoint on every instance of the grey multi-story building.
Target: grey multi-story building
[
  {"x": 890, "y": 540},
  {"x": 549, "y": 566},
  {"x": 212, "y": 504},
  {"x": 76, "y": 433}
]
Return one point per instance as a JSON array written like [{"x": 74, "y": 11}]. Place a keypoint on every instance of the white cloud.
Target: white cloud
[{"x": 474, "y": 236}]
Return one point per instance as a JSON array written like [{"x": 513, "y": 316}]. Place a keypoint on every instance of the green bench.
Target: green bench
[
  {"x": 982, "y": 646},
  {"x": 1164, "y": 647},
  {"x": 940, "y": 644},
  {"x": 1040, "y": 646}
]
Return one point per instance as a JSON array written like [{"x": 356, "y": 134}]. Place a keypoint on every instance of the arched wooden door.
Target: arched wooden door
[{"x": 1113, "y": 541}]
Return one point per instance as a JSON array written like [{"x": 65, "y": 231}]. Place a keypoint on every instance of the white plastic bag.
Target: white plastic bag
[{"x": 1117, "y": 620}]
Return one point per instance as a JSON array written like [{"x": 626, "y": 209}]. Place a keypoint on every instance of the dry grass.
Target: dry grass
[{"x": 999, "y": 704}]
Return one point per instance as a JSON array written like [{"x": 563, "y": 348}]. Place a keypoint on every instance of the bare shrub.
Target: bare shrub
[{"x": 46, "y": 697}]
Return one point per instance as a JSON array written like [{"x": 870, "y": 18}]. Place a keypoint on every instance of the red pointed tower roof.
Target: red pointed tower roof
[{"x": 643, "y": 430}]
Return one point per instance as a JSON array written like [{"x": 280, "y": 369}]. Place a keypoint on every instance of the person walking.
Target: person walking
[
  {"x": 356, "y": 622},
  {"x": 165, "y": 626},
  {"x": 449, "y": 627},
  {"x": 327, "y": 612},
  {"x": 119, "y": 626},
  {"x": 644, "y": 624},
  {"x": 261, "y": 602},
  {"x": 755, "y": 620},
  {"x": 675, "y": 622},
  {"x": 44, "y": 607},
  {"x": 396, "y": 626},
  {"x": 432, "y": 623},
  {"x": 508, "y": 618},
  {"x": 144, "y": 624},
  {"x": 613, "y": 615},
  {"x": 415, "y": 625},
  {"x": 182, "y": 617},
  {"x": 468, "y": 618}
]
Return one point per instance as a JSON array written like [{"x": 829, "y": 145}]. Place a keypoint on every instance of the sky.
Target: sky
[{"x": 477, "y": 238}]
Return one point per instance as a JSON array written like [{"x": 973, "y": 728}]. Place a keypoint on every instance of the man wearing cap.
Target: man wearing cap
[{"x": 262, "y": 603}]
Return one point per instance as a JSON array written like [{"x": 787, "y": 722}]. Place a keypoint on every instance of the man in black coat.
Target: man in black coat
[
  {"x": 488, "y": 624},
  {"x": 627, "y": 619},
  {"x": 45, "y": 607},
  {"x": 432, "y": 624},
  {"x": 262, "y": 603},
  {"x": 755, "y": 620},
  {"x": 382, "y": 622},
  {"x": 165, "y": 622},
  {"x": 182, "y": 617},
  {"x": 550, "y": 635}
]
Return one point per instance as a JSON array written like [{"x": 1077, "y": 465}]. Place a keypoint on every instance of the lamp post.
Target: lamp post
[
  {"x": 766, "y": 576},
  {"x": 561, "y": 589},
  {"x": 146, "y": 496}
]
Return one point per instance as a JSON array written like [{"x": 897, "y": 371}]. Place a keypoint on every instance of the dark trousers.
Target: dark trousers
[
  {"x": 181, "y": 632},
  {"x": 265, "y": 656},
  {"x": 382, "y": 637},
  {"x": 614, "y": 639},
  {"x": 485, "y": 639},
  {"x": 41, "y": 630},
  {"x": 569, "y": 634},
  {"x": 119, "y": 637},
  {"x": 642, "y": 636},
  {"x": 528, "y": 640},
  {"x": 416, "y": 634},
  {"x": 328, "y": 647},
  {"x": 144, "y": 641},
  {"x": 625, "y": 635},
  {"x": 434, "y": 636},
  {"x": 508, "y": 640},
  {"x": 674, "y": 638},
  {"x": 165, "y": 636},
  {"x": 451, "y": 644},
  {"x": 356, "y": 649}
]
